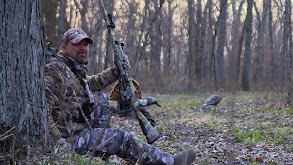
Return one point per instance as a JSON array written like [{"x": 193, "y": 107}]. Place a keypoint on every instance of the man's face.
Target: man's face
[{"x": 77, "y": 51}]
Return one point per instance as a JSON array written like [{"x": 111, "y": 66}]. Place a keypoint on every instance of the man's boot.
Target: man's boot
[{"x": 185, "y": 157}]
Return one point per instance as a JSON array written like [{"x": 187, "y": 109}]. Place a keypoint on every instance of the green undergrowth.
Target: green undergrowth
[
  {"x": 180, "y": 100},
  {"x": 268, "y": 134},
  {"x": 66, "y": 158},
  {"x": 250, "y": 136},
  {"x": 213, "y": 124},
  {"x": 258, "y": 111}
]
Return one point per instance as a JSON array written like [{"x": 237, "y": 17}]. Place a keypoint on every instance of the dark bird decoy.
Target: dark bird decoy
[
  {"x": 213, "y": 100},
  {"x": 147, "y": 101}
]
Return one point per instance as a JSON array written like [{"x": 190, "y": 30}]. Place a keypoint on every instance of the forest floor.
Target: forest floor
[{"x": 245, "y": 128}]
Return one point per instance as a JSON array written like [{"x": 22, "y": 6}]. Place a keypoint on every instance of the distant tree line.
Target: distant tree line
[{"x": 187, "y": 45}]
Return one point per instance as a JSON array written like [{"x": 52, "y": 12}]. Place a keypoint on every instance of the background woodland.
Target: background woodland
[{"x": 187, "y": 45}]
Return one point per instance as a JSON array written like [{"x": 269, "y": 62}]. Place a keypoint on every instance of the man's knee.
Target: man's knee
[{"x": 108, "y": 140}]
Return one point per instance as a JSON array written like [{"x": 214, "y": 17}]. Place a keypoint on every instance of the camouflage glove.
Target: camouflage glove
[{"x": 125, "y": 63}]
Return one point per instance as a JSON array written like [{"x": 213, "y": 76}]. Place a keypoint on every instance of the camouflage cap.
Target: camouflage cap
[{"x": 75, "y": 35}]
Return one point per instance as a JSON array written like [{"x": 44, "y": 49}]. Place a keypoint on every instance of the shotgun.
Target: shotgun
[{"x": 148, "y": 130}]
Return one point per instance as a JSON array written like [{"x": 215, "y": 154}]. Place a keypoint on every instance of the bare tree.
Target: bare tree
[
  {"x": 261, "y": 40},
  {"x": 191, "y": 51},
  {"x": 198, "y": 44},
  {"x": 22, "y": 99},
  {"x": 210, "y": 59},
  {"x": 271, "y": 45},
  {"x": 221, "y": 29},
  {"x": 169, "y": 36},
  {"x": 145, "y": 32},
  {"x": 248, "y": 37},
  {"x": 62, "y": 23},
  {"x": 285, "y": 48},
  {"x": 204, "y": 39},
  {"x": 96, "y": 57},
  {"x": 130, "y": 29},
  {"x": 156, "y": 46},
  {"x": 49, "y": 11},
  {"x": 290, "y": 51},
  {"x": 236, "y": 41}
]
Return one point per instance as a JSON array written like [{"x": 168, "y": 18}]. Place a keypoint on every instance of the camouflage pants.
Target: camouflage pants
[
  {"x": 121, "y": 143},
  {"x": 100, "y": 114}
]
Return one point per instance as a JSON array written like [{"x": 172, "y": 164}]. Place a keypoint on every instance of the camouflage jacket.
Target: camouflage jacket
[{"x": 66, "y": 93}]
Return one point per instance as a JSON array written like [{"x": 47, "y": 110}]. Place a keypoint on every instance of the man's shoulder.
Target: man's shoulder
[
  {"x": 58, "y": 60},
  {"x": 55, "y": 61},
  {"x": 56, "y": 65}
]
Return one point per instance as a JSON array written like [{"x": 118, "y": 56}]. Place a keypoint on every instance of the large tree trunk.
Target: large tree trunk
[
  {"x": 261, "y": 42},
  {"x": 271, "y": 44},
  {"x": 22, "y": 100},
  {"x": 191, "y": 52},
  {"x": 156, "y": 47},
  {"x": 197, "y": 44},
  {"x": 203, "y": 50},
  {"x": 290, "y": 55},
  {"x": 248, "y": 37},
  {"x": 234, "y": 56},
  {"x": 168, "y": 56},
  {"x": 221, "y": 26},
  {"x": 285, "y": 50},
  {"x": 210, "y": 59}
]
